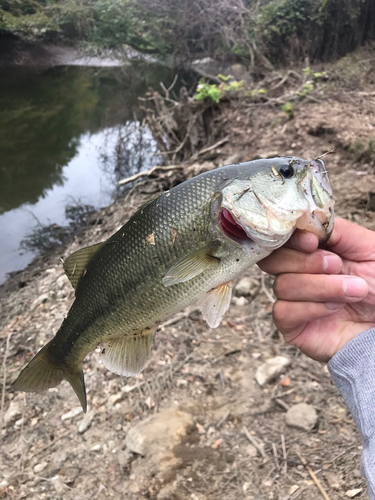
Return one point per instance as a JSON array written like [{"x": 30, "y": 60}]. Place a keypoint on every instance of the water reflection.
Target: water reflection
[{"x": 67, "y": 134}]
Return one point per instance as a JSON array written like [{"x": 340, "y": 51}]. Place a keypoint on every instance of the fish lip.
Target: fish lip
[
  {"x": 329, "y": 229},
  {"x": 320, "y": 219},
  {"x": 319, "y": 223}
]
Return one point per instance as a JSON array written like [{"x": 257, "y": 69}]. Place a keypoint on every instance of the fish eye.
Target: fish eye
[{"x": 287, "y": 171}]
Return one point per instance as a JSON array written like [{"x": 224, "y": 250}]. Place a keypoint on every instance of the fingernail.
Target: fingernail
[
  {"x": 354, "y": 287},
  {"x": 331, "y": 263},
  {"x": 334, "y": 306}
]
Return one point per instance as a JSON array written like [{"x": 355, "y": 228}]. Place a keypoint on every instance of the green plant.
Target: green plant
[
  {"x": 256, "y": 92},
  {"x": 214, "y": 92},
  {"x": 288, "y": 109},
  {"x": 224, "y": 78},
  {"x": 208, "y": 91},
  {"x": 315, "y": 75},
  {"x": 306, "y": 89},
  {"x": 234, "y": 86}
]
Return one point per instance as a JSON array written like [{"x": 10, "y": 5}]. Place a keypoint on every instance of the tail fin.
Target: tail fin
[
  {"x": 77, "y": 381},
  {"x": 42, "y": 373}
]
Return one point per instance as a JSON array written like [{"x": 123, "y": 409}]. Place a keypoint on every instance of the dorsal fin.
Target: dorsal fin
[{"x": 76, "y": 263}]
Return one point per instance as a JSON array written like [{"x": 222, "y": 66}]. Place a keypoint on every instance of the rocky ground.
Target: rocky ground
[{"x": 231, "y": 413}]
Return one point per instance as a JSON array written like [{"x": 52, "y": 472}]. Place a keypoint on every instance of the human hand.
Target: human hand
[{"x": 325, "y": 298}]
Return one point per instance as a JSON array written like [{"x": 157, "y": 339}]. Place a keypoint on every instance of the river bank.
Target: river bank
[{"x": 223, "y": 435}]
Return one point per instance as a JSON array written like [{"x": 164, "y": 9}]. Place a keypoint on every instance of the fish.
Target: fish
[{"x": 185, "y": 245}]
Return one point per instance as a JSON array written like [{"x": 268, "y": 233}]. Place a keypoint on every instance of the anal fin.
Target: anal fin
[
  {"x": 127, "y": 355},
  {"x": 215, "y": 303}
]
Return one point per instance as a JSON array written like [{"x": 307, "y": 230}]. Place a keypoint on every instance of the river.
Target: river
[{"x": 67, "y": 135}]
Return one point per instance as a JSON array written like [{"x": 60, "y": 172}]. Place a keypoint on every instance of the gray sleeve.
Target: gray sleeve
[{"x": 353, "y": 371}]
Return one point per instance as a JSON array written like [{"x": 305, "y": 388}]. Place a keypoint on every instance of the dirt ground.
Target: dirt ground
[{"x": 195, "y": 424}]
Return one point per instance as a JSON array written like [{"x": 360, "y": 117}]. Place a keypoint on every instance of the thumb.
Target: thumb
[{"x": 351, "y": 241}]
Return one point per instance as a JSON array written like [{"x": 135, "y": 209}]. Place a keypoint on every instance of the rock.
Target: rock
[
  {"x": 251, "y": 450},
  {"x": 302, "y": 416},
  {"x": 62, "y": 281},
  {"x": 332, "y": 479},
  {"x": 269, "y": 370},
  {"x": 168, "y": 491},
  {"x": 72, "y": 413},
  {"x": 159, "y": 432},
  {"x": 239, "y": 72},
  {"x": 124, "y": 458},
  {"x": 239, "y": 301},
  {"x": 39, "y": 300},
  {"x": 85, "y": 423},
  {"x": 12, "y": 413},
  {"x": 245, "y": 487},
  {"x": 60, "y": 487},
  {"x": 114, "y": 398},
  {"x": 39, "y": 467},
  {"x": 246, "y": 287}
]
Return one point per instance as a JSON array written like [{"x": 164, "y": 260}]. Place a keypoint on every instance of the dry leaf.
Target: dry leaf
[
  {"x": 216, "y": 444},
  {"x": 285, "y": 382},
  {"x": 353, "y": 493},
  {"x": 151, "y": 239},
  {"x": 174, "y": 234},
  {"x": 200, "y": 428}
]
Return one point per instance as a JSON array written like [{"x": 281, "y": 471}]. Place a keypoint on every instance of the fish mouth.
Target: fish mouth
[
  {"x": 318, "y": 222},
  {"x": 269, "y": 222},
  {"x": 231, "y": 227}
]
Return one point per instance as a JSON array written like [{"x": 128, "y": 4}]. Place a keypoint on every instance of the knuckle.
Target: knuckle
[
  {"x": 278, "y": 312},
  {"x": 278, "y": 286}
]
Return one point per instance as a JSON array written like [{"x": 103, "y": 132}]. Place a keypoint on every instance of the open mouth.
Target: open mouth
[{"x": 230, "y": 227}]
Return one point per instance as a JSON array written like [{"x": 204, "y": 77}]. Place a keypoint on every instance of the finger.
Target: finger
[
  {"x": 320, "y": 288},
  {"x": 303, "y": 241},
  {"x": 352, "y": 241},
  {"x": 285, "y": 260},
  {"x": 292, "y": 317}
]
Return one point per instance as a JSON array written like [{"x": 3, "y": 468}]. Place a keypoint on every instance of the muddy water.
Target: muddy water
[{"x": 59, "y": 144}]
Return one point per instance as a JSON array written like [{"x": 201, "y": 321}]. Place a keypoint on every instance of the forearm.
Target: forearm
[{"x": 353, "y": 371}]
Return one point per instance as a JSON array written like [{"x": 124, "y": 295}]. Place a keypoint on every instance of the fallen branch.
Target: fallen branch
[
  {"x": 318, "y": 484},
  {"x": 147, "y": 173},
  {"x": 130, "y": 388},
  {"x": 254, "y": 442},
  {"x": 264, "y": 289},
  {"x": 210, "y": 148}
]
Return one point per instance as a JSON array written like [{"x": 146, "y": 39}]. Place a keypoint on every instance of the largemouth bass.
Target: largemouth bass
[{"x": 187, "y": 244}]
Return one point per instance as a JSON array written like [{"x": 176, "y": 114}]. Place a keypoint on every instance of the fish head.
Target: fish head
[{"x": 267, "y": 204}]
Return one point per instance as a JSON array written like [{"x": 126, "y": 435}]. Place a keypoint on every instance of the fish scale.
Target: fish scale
[{"x": 171, "y": 252}]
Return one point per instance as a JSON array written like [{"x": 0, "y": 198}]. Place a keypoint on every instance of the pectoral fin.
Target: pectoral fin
[
  {"x": 215, "y": 304},
  {"x": 190, "y": 266},
  {"x": 75, "y": 264},
  {"x": 128, "y": 355}
]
